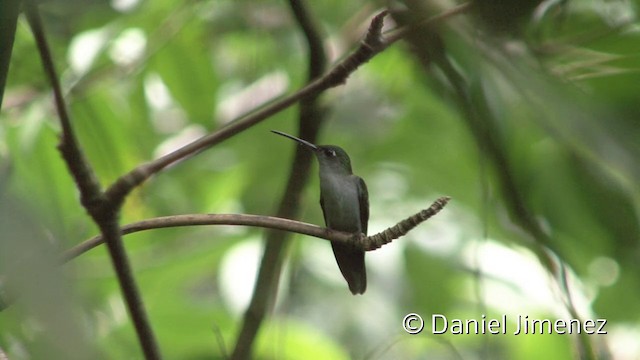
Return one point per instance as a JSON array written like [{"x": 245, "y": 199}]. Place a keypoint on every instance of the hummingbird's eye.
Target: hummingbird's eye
[{"x": 330, "y": 152}]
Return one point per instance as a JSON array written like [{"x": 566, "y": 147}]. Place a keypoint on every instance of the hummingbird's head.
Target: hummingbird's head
[
  {"x": 330, "y": 157},
  {"x": 333, "y": 157}
]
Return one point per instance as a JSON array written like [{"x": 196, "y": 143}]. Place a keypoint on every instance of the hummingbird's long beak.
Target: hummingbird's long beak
[{"x": 302, "y": 142}]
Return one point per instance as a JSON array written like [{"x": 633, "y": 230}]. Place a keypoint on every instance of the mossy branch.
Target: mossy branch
[{"x": 373, "y": 242}]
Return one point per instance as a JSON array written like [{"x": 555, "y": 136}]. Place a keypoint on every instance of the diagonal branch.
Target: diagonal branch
[
  {"x": 79, "y": 167},
  {"x": 103, "y": 212},
  {"x": 370, "y": 46}
]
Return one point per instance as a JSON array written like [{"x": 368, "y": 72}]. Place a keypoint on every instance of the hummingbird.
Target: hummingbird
[{"x": 345, "y": 205}]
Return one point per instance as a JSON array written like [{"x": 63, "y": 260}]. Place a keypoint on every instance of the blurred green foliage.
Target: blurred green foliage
[{"x": 556, "y": 81}]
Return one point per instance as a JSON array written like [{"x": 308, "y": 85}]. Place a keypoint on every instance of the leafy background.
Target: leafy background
[{"x": 557, "y": 80}]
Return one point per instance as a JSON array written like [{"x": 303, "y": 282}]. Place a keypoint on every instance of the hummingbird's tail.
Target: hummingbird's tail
[{"x": 351, "y": 264}]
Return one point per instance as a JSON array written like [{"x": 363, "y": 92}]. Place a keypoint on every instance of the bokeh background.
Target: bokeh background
[{"x": 537, "y": 141}]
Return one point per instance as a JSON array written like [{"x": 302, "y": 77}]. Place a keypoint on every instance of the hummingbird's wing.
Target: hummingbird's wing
[
  {"x": 363, "y": 198},
  {"x": 324, "y": 213}
]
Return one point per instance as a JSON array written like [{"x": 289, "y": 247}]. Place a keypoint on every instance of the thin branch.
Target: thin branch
[
  {"x": 360, "y": 241},
  {"x": 130, "y": 292},
  {"x": 103, "y": 211},
  {"x": 268, "y": 222},
  {"x": 220, "y": 340},
  {"x": 315, "y": 49},
  {"x": 310, "y": 118},
  {"x": 585, "y": 349}
]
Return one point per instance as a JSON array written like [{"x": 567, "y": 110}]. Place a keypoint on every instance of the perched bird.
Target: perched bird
[{"x": 345, "y": 205}]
